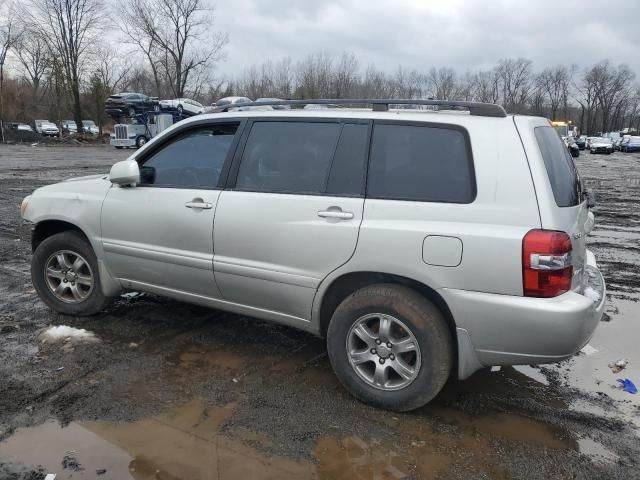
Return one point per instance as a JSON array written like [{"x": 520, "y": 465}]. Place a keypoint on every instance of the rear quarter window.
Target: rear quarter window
[
  {"x": 421, "y": 163},
  {"x": 562, "y": 172}
]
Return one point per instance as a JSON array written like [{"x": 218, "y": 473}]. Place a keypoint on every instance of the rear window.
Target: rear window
[
  {"x": 561, "y": 170},
  {"x": 422, "y": 163}
]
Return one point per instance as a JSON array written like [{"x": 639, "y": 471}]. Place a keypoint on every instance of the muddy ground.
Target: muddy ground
[{"x": 174, "y": 391}]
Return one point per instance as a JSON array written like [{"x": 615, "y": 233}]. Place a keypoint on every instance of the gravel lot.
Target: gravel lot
[{"x": 174, "y": 391}]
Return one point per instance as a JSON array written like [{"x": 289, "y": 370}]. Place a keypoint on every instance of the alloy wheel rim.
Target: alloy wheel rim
[
  {"x": 383, "y": 352},
  {"x": 69, "y": 276}
]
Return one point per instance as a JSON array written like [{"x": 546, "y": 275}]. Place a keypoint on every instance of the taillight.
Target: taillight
[{"x": 546, "y": 263}]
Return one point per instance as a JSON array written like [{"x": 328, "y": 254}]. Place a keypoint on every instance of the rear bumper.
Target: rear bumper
[{"x": 509, "y": 330}]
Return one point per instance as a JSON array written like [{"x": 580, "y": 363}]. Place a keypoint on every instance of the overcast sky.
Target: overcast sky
[{"x": 464, "y": 34}]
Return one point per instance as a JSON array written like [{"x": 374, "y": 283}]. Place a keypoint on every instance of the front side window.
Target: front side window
[
  {"x": 421, "y": 163},
  {"x": 193, "y": 159},
  {"x": 288, "y": 157}
]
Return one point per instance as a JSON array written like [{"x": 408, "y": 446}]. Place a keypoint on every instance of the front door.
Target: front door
[
  {"x": 160, "y": 232},
  {"x": 292, "y": 216}
]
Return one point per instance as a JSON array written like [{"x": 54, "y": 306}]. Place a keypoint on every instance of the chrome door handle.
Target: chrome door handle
[
  {"x": 339, "y": 214},
  {"x": 199, "y": 205}
]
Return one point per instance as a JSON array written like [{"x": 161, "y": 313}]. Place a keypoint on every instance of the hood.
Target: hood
[{"x": 87, "y": 177}]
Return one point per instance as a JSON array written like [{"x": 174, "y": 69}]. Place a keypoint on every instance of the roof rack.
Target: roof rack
[{"x": 381, "y": 105}]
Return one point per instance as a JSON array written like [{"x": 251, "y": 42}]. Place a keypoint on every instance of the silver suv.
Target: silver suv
[{"x": 422, "y": 243}]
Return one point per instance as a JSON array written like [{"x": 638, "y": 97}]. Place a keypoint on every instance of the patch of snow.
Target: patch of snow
[
  {"x": 592, "y": 294},
  {"x": 589, "y": 350},
  {"x": 63, "y": 333}
]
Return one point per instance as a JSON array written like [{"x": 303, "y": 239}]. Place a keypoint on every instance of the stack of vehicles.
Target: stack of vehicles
[{"x": 139, "y": 117}]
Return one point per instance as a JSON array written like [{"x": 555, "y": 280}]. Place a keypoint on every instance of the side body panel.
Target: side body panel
[{"x": 490, "y": 228}]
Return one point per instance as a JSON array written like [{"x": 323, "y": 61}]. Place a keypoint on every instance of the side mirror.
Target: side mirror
[{"x": 125, "y": 172}]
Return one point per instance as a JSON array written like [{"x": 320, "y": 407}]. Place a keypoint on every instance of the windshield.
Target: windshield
[
  {"x": 601, "y": 140},
  {"x": 88, "y": 123}
]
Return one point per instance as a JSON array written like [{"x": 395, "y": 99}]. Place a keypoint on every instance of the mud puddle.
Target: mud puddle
[
  {"x": 185, "y": 444},
  {"x": 191, "y": 443}
]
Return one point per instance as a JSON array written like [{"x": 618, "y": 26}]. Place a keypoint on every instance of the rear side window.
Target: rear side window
[
  {"x": 429, "y": 164},
  {"x": 192, "y": 159},
  {"x": 561, "y": 170},
  {"x": 288, "y": 157}
]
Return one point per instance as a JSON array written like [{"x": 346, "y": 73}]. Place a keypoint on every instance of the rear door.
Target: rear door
[
  {"x": 558, "y": 187},
  {"x": 291, "y": 213}
]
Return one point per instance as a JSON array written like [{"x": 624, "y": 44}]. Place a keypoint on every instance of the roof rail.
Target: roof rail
[{"x": 381, "y": 105}]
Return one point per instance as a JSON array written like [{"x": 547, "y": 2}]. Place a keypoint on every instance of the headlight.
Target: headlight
[{"x": 23, "y": 205}]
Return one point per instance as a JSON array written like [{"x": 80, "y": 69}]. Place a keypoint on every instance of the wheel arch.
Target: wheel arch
[
  {"x": 47, "y": 228},
  {"x": 344, "y": 285}
]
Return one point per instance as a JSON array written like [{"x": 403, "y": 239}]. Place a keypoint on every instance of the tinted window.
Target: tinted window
[
  {"x": 420, "y": 163},
  {"x": 193, "y": 159},
  {"x": 560, "y": 167},
  {"x": 292, "y": 157},
  {"x": 347, "y": 170}
]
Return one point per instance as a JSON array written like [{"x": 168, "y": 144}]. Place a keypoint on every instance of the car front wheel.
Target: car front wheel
[
  {"x": 390, "y": 347},
  {"x": 64, "y": 272}
]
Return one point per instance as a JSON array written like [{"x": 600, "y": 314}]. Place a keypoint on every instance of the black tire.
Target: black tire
[
  {"x": 132, "y": 112},
  {"x": 424, "y": 321},
  {"x": 180, "y": 109},
  {"x": 74, "y": 242},
  {"x": 119, "y": 148},
  {"x": 140, "y": 141}
]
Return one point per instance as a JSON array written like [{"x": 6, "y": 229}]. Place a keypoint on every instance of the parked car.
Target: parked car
[
  {"x": 90, "y": 127},
  {"x": 21, "y": 127},
  {"x": 226, "y": 102},
  {"x": 46, "y": 128},
  {"x": 130, "y": 104},
  {"x": 274, "y": 107},
  {"x": 617, "y": 145},
  {"x": 182, "y": 105},
  {"x": 581, "y": 141},
  {"x": 632, "y": 145},
  {"x": 572, "y": 146},
  {"x": 373, "y": 229},
  {"x": 588, "y": 143},
  {"x": 69, "y": 127},
  {"x": 601, "y": 145}
]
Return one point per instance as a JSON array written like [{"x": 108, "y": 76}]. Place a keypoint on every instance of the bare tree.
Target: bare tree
[
  {"x": 555, "y": 82},
  {"x": 70, "y": 28},
  {"x": 110, "y": 73},
  {"x": 9, "y": 35},
  {"x": 443, "y": 83},
  {"x": 487, "y": 86},
  {"x": 345, "y": 76},
  {"x": 33, "y": 55},
  {"x": 515, "y": 83},
  {"x": 177, "y": 38}
]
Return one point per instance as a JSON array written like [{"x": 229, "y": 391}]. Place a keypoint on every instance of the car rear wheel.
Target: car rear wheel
[
  {"x": 180, "y": 109},
  {"x": 140, "y": 141},
  {"x": 64, "y": 272},
  {"x": 390, "y": 347},
  {"x": 132, "y": 112}
]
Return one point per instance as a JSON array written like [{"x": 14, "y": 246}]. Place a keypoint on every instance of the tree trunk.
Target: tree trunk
[{"x": 77, "y": 107}]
